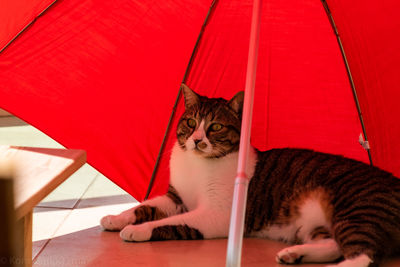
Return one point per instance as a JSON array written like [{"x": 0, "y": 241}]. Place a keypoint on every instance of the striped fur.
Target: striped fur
[
  {"x": 145, "y": 213},
  {"x": 327, "y": 206},
  {"x": 174, "y": 196},
  {"x": 362, "y": 202},
  {"x": 175, "y": 232}
]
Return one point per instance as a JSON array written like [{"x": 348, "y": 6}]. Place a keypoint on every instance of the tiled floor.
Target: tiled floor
[
  {"x": 76, "y": 205},
  {"x": 66, "y": 228}
]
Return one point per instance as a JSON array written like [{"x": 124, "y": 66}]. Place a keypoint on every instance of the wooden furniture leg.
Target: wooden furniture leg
[
  {"x": 9, "y": 232},
  {"x": 24, "y": 227},
  {"x": 40, "y": 171}
]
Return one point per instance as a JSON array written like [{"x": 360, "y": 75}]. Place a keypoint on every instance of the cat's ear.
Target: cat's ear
[
  {"x": 236, "y": 103},
  {"x": 191, "y": 98}
]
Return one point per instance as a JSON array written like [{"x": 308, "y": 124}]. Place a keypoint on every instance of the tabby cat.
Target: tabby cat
[{"x": 328, "y": 207}]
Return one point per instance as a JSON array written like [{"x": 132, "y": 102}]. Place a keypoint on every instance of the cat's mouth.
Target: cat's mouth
[
  {"x": 201, "y": 146},
  {"x": 201, "y": 150},
  {"x": 198, "y": 150}
]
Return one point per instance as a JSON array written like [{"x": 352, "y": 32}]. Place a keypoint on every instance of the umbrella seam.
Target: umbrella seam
[
  {"x": 27, "y": 26},
  {"x": 188, "y": 68}
]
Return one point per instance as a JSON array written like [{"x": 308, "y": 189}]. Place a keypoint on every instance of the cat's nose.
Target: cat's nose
[
  {"x": 199, "y": 144},
  {"x": 196, "y": 141}
]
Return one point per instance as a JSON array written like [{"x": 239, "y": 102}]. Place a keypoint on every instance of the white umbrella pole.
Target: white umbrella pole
[{"x": 235, "y": 239}]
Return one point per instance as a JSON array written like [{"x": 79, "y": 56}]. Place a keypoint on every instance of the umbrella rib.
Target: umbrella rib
[
  {"x": 27, "y": 26},
  {"x": 353, "y": 87},
  {"x": 188, "y": 68}
]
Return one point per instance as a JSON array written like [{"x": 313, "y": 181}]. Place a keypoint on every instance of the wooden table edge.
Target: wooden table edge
[{"x": 26, "y": 206}]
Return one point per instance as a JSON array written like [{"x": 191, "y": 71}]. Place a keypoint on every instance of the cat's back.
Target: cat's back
[{"x": 304, "y": 167}]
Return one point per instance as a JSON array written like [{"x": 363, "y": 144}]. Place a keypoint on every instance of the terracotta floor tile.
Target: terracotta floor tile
[
  {"x": 93, "y": 247},
  {"x": 37, "y": 246},
  {"x": 45, "y": 224}
]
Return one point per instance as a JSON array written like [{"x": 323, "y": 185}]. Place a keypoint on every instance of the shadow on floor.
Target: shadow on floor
[
  {"x": 86, "y": 202},
  {"x": 9, "y": 121}
]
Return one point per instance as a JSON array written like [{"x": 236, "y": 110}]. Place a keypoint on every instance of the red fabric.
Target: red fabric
[
  {"x": 302, "y": 97},
  {"x": 371, "y": 37},
  {"x": 103, "y": 76},
  {"x": 16, "y": 15}
]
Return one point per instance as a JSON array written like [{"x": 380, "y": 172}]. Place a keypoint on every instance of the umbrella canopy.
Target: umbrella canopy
[{"x": 103, "y": 75}]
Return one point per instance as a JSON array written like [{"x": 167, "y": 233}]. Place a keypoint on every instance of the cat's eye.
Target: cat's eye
[
  {"x": 216, "y": 127},
  {"x": 191, "y": 123}
]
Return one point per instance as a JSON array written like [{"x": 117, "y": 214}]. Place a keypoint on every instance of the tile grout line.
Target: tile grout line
[
  {"x": 59, "y": 226},
  {"x": 55, "y": 208},
  {"x": 83, "y": 194},
  {"x": 40, "y": 251},
  {"x": 48, "y": 240}
]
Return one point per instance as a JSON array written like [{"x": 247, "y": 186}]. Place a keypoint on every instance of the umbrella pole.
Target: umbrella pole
[{"x": 235, "y": 240}]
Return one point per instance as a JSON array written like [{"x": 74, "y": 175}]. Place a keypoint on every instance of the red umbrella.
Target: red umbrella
[{"x": 103, "y": 75}]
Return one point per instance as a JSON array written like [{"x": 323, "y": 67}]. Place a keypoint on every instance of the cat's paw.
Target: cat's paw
[
  {"x": 289, "y": 256},
  {"x": 139, "y": 233},
  {"x": 113, "y": 222}
]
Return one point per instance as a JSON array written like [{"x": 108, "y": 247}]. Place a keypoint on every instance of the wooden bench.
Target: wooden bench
[{"x": 38, "y": 171}]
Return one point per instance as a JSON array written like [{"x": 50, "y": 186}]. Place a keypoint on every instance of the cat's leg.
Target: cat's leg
[
  {"x": 325, "y": 250},
  {"x": 363, "y": 242},
  {"x": 152, "y": 209},
  {"x": 358, "y": 261},
  {"x": 197, "y": 224}
]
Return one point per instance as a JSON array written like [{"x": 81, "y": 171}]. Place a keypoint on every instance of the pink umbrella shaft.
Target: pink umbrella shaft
[{"x": 242, "y": 180}]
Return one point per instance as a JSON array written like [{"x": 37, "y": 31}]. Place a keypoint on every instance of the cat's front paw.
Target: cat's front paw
[
  {"x": 289, "y": 256},
  {"x": 113, "y": 222},
  {"x": 138, "y": 233}
]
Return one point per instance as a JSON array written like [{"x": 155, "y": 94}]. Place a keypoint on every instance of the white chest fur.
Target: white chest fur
[{"x": 204, "y": 182}]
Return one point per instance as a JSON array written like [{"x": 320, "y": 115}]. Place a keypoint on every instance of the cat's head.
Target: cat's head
[{"x": 210, "y": 127}]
